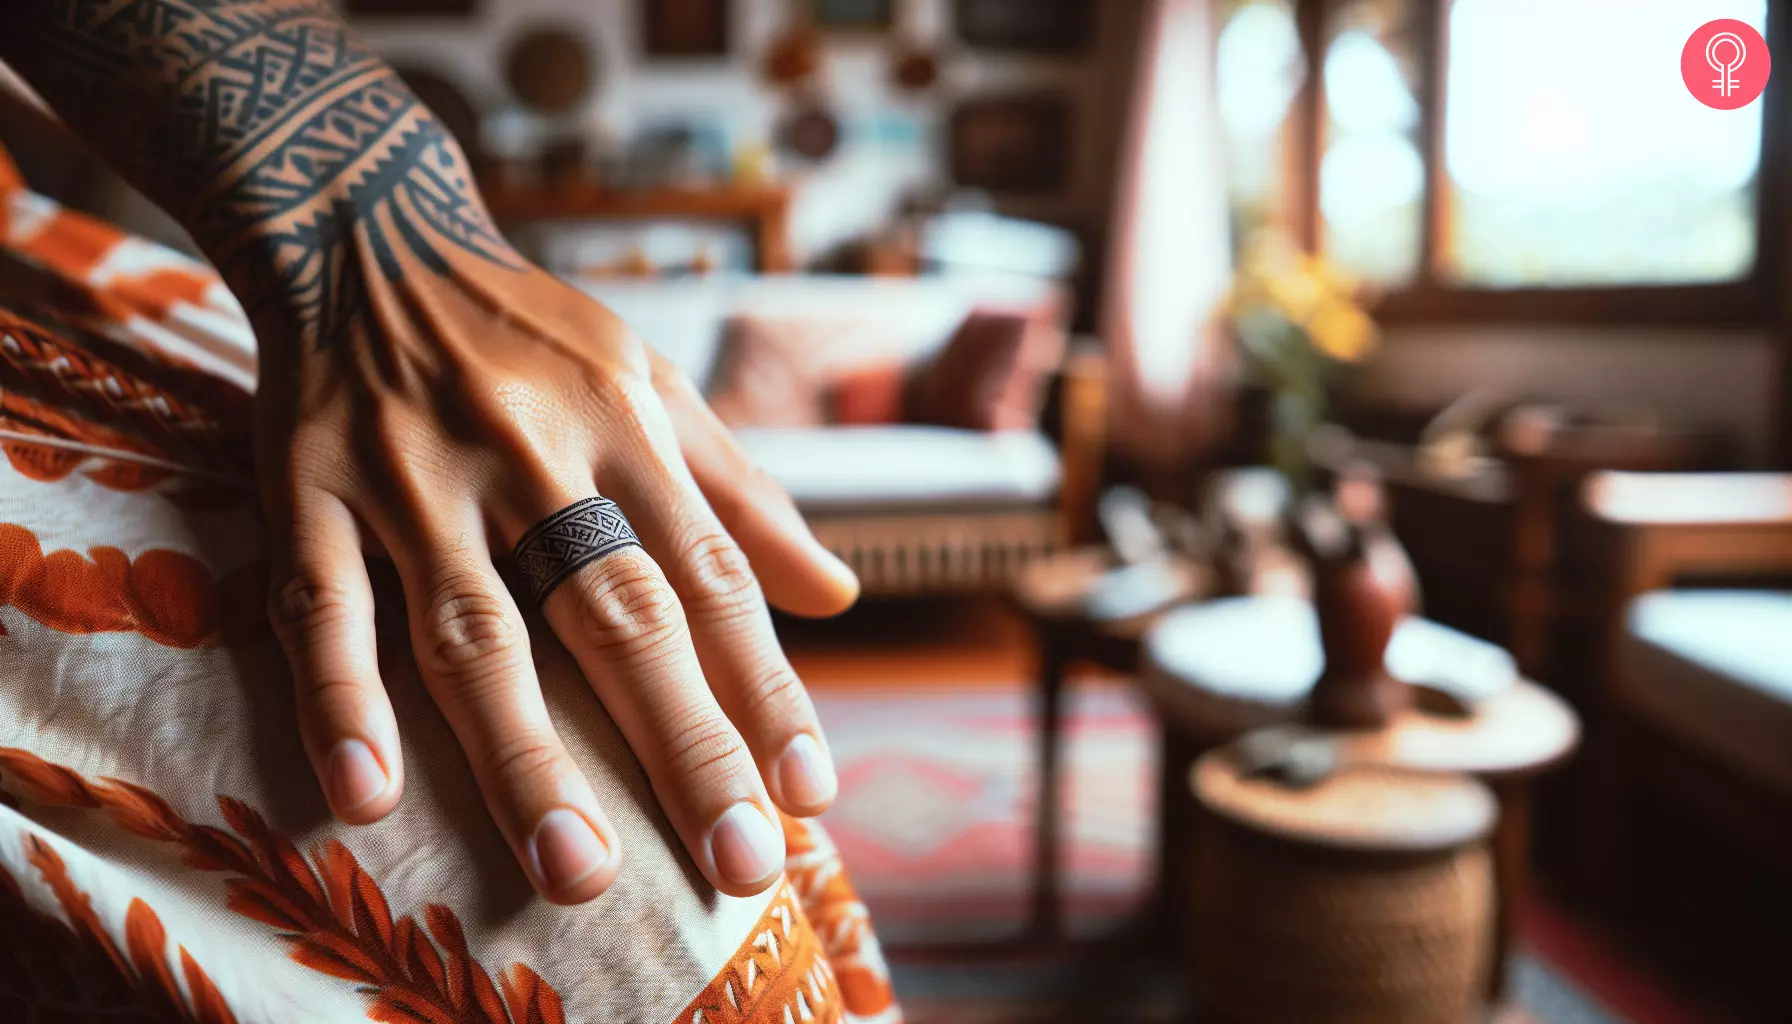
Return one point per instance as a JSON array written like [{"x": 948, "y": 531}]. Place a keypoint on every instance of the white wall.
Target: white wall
[
  {"x": 860, "y": 186},
  {"x": 1722, "y": 379}
]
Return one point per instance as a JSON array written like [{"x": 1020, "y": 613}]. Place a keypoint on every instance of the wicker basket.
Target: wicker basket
[{"x": 1366, "y": 899}]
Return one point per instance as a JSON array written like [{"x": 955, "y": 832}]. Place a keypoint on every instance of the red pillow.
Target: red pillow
[
  {"x": 868, "y": 396},
  {"x": 990, "y": 376}
]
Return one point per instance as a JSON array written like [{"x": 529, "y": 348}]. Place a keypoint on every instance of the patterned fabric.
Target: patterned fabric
[{"x": 165, "y": 854}]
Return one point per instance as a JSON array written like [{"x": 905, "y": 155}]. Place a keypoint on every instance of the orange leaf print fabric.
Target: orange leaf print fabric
[
  {"x": 165, "y": 854},
  {"x": 167, "y": 596}
]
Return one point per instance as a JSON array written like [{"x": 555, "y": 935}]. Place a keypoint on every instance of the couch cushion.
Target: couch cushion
[
  {"x": 683, "y": 317},
  {"x": 901, "y": 467},
  {"x": 1714, "y": 667}
]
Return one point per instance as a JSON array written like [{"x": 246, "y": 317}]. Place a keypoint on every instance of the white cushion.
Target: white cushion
[
  {"x": 898, "y": 467},
  {"x": 1714, "y": 667}
]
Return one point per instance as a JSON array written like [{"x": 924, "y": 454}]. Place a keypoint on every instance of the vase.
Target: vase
[{"x": 1362, "y": 586}]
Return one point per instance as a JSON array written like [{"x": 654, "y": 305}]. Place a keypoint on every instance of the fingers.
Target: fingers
[
  {"x": 799, "y": 575},
  {"x": 732, "y": 632},
  {"x": 622, "y": 621},
  {"x": 473, "y": 649},
  {"x": 321, "y": 607}
]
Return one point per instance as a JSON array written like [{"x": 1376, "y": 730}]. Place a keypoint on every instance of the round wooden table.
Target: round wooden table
[
  {"x": 1218, "y": 670},
  {"x": 1080, "y": 611}
]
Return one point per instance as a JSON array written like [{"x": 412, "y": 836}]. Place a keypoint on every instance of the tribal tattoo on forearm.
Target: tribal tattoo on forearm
[{"x": 292, "y": 153}]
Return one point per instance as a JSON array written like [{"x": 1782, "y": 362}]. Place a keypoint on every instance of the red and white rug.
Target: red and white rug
[{"x": 935, "y": 816}]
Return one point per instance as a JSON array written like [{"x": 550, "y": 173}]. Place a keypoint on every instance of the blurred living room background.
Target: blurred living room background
[{"x": 1144, "y": 356}]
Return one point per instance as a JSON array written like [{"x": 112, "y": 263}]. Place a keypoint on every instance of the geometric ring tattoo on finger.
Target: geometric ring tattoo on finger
[{"x": 568, "y": 540}]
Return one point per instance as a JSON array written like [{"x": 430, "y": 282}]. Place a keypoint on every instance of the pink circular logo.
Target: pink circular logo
[{"x": 1725, "y": 64}]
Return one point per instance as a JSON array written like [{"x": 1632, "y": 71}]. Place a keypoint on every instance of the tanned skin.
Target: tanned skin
[{"x": 427, "y": 394}]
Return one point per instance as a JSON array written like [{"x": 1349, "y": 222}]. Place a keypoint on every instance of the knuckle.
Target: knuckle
[
  {"x": 524, "y": 762},
  {"x": 626, "y": 609},
  {"x": 329, "y": 690},
  {"x": 629, "y": 399},
  {"x": 306, "y": 602},
  {"x": 467, "y": 630},
  {"x": 706, "y": 749},
  {"x": 777, "y": 690},
  {"x": 722, "y": 579}
]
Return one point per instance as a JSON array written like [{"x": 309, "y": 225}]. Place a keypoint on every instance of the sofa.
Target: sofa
[
  {"x": 913, "y": 508},
  {"x": 1690, "y": 812}
]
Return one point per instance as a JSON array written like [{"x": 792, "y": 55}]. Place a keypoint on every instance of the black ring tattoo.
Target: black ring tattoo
[{"x": 571, "y": 538}]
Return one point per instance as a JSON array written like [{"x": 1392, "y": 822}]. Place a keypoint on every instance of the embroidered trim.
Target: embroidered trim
[
  {"x": 779, "y": 975},
  {"x": 841, "y": 922}
]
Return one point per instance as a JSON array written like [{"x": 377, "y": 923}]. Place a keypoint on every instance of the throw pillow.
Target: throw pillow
[{"x": 991, "y": 375}]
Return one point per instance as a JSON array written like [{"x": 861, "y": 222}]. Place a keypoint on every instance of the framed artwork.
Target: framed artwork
[
  {"x": 684, "y": 29},
  {"x": 1031, "y": 26},
  {"x": 853, "y": 15},
  {"x": 1011, "y": 143},
  {"x": 408, "y": 8}
]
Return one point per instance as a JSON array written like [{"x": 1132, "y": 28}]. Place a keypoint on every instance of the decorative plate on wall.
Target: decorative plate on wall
[
  {"x": 549, "y": 67},
  {"x": 792, "y": 57},
  {"x": 1033, "y": 26},
  {"x": 1011, "y": 143},
  {"x": 914, "y": 69},
  {"x": 811, "y": 132},
  {"x": 683, "y": 28}
]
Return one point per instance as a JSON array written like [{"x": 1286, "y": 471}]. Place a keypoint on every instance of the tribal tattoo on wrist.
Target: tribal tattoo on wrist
[{"x": 293, "y": 154}]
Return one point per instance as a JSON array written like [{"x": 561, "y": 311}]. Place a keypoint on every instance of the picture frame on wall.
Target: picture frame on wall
[
  {"x": 874, "y": 16},
  {"x": 1011, "y": 143},
  {"x": 1059, "y": 27},
  {"x": 684, "y": 29}
]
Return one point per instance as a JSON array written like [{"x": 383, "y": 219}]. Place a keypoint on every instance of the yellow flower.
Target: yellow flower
[
  {"x": 1297, "y": 295},
  {"x": 1341, "y": 330}
]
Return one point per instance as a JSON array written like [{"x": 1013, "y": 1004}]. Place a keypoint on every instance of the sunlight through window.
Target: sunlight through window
[{"x": 1577, "y": 157}]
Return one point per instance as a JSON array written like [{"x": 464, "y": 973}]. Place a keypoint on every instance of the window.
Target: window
[
  {"x": 1592, "y": 172},
  {"x": 1469, "y": 158}
]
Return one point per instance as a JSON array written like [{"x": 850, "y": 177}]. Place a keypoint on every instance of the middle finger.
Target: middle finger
[
  {"x": 473, "y": 649},
  {"x": 613, "y": 609}
]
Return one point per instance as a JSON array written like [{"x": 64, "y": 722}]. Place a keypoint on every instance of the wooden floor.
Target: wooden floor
[{"x": 957, "y": 643}]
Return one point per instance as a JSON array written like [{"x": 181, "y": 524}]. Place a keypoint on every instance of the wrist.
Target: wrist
[{"x": 301, "y": 255}]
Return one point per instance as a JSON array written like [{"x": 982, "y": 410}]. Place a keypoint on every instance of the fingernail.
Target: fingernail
[
  {"x": 805, "y": 775},
  {"x": 746, "y": 846},
  {"x": 567, "y": 849},
  {"x": 356, "y": 778}
]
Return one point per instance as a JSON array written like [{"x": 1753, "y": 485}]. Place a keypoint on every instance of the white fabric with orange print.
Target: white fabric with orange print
[{"x": 156, "y": 813}]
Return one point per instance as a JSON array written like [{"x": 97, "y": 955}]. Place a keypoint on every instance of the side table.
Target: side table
[
  {"x": 1218, "y": 670},
  {"x": 1053, "y": 594},
  {"x": 1362, "y": 898}
]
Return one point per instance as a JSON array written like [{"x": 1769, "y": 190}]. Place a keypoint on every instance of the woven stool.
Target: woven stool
[{"x": 1363, "y": 899}]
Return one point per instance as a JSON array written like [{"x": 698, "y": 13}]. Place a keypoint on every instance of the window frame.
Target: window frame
[{"x": 1755, "y": 300}]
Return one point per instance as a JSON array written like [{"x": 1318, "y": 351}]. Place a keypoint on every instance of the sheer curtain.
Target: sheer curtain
[{"x": 1169, "y": 262}]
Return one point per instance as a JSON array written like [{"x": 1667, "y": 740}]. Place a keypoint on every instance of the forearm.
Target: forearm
[{"x": 288, "y": 148}]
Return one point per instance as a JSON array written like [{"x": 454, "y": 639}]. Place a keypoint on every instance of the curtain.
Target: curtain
[{"x": 1169, "y": 258}]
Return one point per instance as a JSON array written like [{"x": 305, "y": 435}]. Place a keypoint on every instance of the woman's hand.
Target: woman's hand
[
  {"x": 426, "y": 393},
  {"x": 454, "y": 408}
]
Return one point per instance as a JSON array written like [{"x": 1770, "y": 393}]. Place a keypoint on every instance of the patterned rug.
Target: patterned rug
[{"x": 935, "y": 816}]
